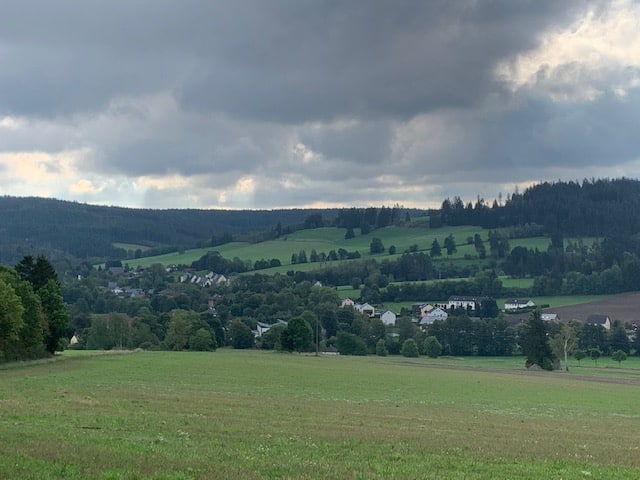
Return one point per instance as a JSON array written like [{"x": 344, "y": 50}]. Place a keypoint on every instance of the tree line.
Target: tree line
[
  {"x": 33, "y": 315},
  {"x": 593, "y": 207}
]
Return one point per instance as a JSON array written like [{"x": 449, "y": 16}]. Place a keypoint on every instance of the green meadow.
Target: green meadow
[
  {"x": 255, "y": 415},
  {"x": 328, "y": 238}
]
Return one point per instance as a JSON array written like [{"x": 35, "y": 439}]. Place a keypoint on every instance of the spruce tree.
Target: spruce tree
[{"x": 536, "y": 344}]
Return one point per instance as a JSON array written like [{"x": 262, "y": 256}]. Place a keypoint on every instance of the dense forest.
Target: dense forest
[
  {"x": 590, "y": 208},
  {"x": 62, "y": 229}
]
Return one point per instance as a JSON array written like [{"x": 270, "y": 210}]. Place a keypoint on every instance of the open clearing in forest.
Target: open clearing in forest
[{"x": 252, "y": 415}]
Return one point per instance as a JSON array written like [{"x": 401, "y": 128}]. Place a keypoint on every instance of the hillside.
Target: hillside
[
  {"x": 69, "y": 230},
  {"x": 622, "y": 307}
]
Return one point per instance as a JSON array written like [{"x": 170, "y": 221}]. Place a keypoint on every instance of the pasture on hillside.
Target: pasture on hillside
[
  {"x": 330, "y": 238},
  {"x": 256, "y": 415}
]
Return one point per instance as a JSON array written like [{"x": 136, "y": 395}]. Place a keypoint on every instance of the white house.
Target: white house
[
  {"x": 365, "y": 309},
  {"x": 388, "y": 318},
  {"x": 471, "y": 303},
  {"x": 516, "y": 304},
  {"x": 263, "y": 328},
  {"x": 435, "y": 314}
]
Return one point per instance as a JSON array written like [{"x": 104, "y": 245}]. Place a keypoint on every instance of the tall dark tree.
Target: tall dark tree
[
  {"x": 436, "y": 250},
  {"x": 618, "y": 339},
  {"x": 37, "y": 272},
  {"x": 349, "y": 233},
  {"x": 376, "y": 246},
  {"x": 535, "y": 343},
  {"x": 11, "y": 322},
  {"x": 298, "y": 336},
  {"x": 55, "y": 313},
  {"x": 450, "y": 244},
  {"x": 240, "y": 335}
]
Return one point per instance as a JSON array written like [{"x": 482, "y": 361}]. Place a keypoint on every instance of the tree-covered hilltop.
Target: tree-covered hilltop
[
  {"x": 595, "y": 207},
  {"x": 62, "y": 229},
  {"x": 69, "y": 230},
  {"x": 65, "y": 230}
]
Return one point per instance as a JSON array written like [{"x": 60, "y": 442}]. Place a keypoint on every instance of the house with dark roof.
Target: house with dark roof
[{"x": 599, "y": 319}]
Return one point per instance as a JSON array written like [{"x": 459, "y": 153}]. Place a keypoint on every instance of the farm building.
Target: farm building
[
  {"x": 517, "y": 304},
  {"x": 599, "y": 319},
  {"x": 468, "y": 303}
]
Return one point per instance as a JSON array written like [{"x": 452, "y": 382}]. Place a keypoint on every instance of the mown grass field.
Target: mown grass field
[{"x": 254, "y": 415}]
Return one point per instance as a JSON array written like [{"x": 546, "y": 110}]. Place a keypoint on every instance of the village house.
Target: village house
[
  {"x": 419, "y": 310},
  {"x": 388, "y": 318},
  {"x": 517, "y": 304},
  {"x": 365, "y": 309},
  {"x": 599, "y": 319},
  {"x": 347, "y": 302},
  {"x": 435, "y": 314},
  {"x": 466, "y": 303},
  {"x": 262, "y": 328}
]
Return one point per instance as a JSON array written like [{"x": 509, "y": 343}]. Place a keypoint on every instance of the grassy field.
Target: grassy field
[
  {"x": 254, "y": 415},
  {"x": 327, "y": 239}
]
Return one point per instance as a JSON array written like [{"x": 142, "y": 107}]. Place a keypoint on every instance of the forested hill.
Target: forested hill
[
  {"x": 599, "y": 207},
  {"x": 69, "y": 230},
  {"x": 62, "y": 229}
]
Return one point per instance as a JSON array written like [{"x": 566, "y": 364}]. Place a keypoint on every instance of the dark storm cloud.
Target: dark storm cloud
[
  {"x": 279, "y": 61},
  {"x": 317, "y": 61}
]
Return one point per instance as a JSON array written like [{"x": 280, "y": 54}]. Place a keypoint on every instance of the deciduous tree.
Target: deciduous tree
[
  {"x": 409, "y": 348},
  {"x": 564, "y": 344},
  {"x": 619, "y": 356},
  {"x": 297, "y": 336},
  {"x": 432, "y": 347}
]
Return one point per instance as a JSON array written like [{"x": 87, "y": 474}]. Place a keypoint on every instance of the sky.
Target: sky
[{"x": 268, "y": 104}]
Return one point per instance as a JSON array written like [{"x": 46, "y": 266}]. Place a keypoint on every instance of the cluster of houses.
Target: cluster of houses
[
  {"x": 208, "y": 280},
  {"x": 211, "y": 279},
  {"x": 425, "y": 314}
]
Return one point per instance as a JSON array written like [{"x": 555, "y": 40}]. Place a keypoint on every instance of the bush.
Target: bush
[
  {"x": 410, "y": 348},
  {"x": 350, "y": 344},
  {"x": 202, "y": 340},
  {"x": 432, "y": 347},
  {"x": 381, "y": 348}
]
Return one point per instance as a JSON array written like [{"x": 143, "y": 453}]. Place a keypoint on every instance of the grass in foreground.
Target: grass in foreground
[{"x": 233, "y": 414}]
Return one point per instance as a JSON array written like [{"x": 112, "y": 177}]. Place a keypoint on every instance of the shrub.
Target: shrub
[
  {"x": 350, "y": 344},
  {"x": 432, "y": 347},
  {"x": 410, "y": 348},
  {"x": 381, "y": 348}
]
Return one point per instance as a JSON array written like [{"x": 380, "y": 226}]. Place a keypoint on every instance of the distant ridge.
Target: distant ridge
[{"x": 65, "y": 229}]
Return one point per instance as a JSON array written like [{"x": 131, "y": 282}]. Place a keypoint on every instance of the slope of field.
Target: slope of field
[
  {"x": 624, "y": 307},
  {"x": 329, "y": 238},
  {"x": 257, "y": 415}
]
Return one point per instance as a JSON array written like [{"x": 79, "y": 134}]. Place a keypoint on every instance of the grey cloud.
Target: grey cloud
[
  {"x": 284, "y": 61},
  {"x": 310, "y": 62},
  {"x": 395, "y": 99}
]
